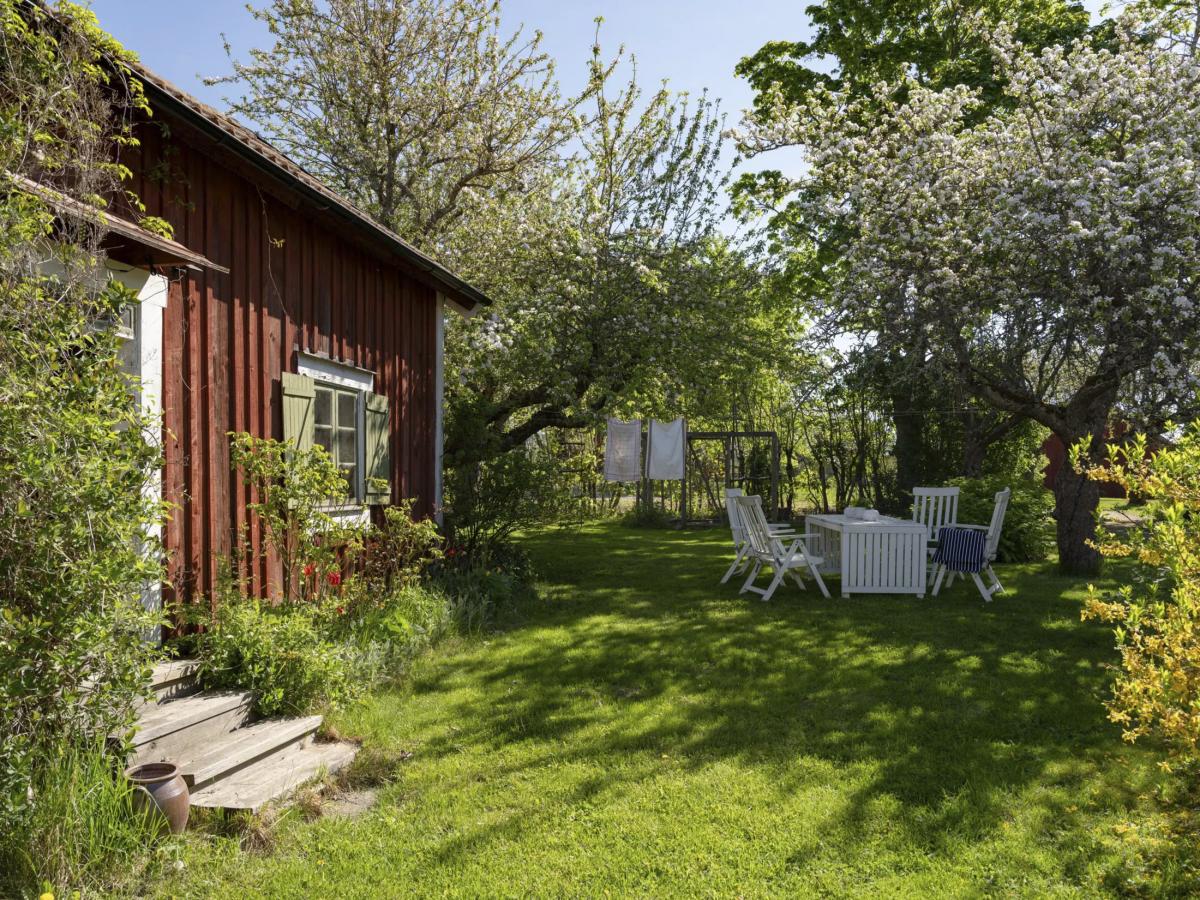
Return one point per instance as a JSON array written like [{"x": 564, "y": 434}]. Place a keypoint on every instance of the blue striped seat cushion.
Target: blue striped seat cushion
[{"x": 961, "y": 549}]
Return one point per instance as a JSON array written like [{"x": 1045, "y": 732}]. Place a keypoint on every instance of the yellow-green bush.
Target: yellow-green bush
[{"x": 1156, "y": 615}]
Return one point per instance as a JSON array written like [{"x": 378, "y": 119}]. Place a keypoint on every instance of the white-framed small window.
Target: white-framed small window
[
  {"x": 337, "y": 426},
  {"x": 350, "y": 422},
  {"x": 127, "y": 328}
]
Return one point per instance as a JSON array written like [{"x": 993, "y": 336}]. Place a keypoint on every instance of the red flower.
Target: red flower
[
  {"x": 335, "y": 578},
  {"x": 450, "y": 552},
  {"x": 309, "y": 569},
  {"x": 341, "y": 611}
]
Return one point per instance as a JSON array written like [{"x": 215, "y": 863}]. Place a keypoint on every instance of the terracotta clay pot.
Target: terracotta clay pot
[{"x": 161, "y": 787}]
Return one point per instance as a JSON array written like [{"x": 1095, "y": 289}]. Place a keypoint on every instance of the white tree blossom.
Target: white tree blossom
[{"x": 1049, "y": 250}]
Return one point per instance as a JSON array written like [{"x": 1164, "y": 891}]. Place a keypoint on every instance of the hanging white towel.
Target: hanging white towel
[
  {"x": 664, "y": 450},
  {"x": 623, "y": 451}
]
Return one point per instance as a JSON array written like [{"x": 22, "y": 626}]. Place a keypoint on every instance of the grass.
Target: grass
[
  {"x": 639, "y": 730},
  {"x": 83, "y": 831}
]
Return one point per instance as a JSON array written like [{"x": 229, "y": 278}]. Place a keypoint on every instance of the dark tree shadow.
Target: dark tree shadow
[{"x": 951, "y": 705}]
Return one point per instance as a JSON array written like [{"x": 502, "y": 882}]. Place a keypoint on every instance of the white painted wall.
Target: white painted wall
[{"x": 151, "y": 291}]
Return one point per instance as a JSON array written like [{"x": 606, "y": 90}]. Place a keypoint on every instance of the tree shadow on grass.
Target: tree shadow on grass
[{"x": 944, "y": 708}]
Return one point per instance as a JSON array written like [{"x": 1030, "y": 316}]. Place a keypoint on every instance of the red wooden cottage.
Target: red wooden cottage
[{"x": 279, "y": 309}]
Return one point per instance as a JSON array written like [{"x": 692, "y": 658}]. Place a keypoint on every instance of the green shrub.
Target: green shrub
[
  {"x": 384, "y": 634},
  {"x": 82, "y": 831},
  {"x": 294, "y": 489},
  {"x": 489, "y": 501},
  {"x": 74, "y": 455},
  {"x": 476, "y": 594},
  {"x": 643, "y": 516},
  {"x": 282, "y": 654},
  {"x": 383, "y": 638},
  {"x": 395, "y": 553},
  {"x": 1156, "y": 615},
  {"x": 1028, "y": 534}
]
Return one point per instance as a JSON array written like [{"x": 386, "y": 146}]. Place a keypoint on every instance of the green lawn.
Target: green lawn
[{"x": 641, "y": 730}]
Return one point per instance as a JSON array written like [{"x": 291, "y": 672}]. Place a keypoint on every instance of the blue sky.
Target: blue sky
[{"x": 693, "y": 43}]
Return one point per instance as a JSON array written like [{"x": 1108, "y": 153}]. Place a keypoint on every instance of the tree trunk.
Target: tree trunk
[
  {"x": 975, "y": 448},
  {"x": 1076, "y": 499},
  {"x": 910, "y": 448}
]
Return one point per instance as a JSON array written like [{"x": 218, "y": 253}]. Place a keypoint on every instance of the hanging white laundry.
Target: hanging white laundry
[
  {"x": 623, "y": 451},
  {"x": 664, "y": 450}
]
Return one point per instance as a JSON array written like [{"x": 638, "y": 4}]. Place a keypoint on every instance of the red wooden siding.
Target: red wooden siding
[{"x": 296, "y": 282}]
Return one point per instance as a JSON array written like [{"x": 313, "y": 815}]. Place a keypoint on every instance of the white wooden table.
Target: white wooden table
[{"x": 887, "y": 556}]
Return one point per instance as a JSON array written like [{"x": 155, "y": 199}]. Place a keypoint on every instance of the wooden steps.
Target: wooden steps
[
  {"x": 175, "y": 678},
  {"x": 247, "y": 746},
  {"x": 179, "y": 729},
  {"x": 275, "y": 776},
  {"x": 229, "y": 759}
]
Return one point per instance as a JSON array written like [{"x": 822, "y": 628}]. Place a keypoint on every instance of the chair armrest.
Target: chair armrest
[{"x": 973, "y": 527}]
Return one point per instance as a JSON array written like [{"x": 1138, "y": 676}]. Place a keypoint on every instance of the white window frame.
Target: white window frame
[{"x": 335, "y": 374}]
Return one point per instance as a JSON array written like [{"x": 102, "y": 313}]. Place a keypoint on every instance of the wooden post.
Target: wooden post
[
  {"x": 683, "y": 495},
  {"x": 647, "y": 487},
  {"x": 775, "y": 476}
]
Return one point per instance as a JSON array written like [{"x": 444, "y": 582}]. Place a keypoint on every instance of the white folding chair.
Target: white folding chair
[
  {"x": 991, "y": 548},
  {"x": 934, "y": 507},
  {"x": 738, "y": 531},
  {"x": 784, "y": 555}
]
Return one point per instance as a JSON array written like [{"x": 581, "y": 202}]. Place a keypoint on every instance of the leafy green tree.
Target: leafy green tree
[
  {"x": 77, "y": 456},
  {"x": 609, "y": 282},
  {"x": 858, "y": 44},
  {"x": 421, "y": 111},
  {"x": 591, "y": 220},
  {"x": 935, "y": 44}
]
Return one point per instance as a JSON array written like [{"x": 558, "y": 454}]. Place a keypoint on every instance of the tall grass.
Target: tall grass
[
  {"x": 82, "y": 832},
  {"x": 385, "y": 640}
]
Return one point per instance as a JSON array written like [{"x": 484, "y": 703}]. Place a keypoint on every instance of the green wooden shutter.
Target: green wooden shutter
[
  {"x": 299, "y": 396},
  {"x": 378, "y": 446}
]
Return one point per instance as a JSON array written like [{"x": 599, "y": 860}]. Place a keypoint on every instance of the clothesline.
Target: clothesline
[{"x": 666, "y": 443}]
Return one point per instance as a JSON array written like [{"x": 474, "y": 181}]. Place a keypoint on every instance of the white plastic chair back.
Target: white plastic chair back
[
  {"x": 997, "y": 523},
  {"x": 754, "y": 523},
  {"x": 934, "y": 507},
  {"x": 734, "y": 514}
]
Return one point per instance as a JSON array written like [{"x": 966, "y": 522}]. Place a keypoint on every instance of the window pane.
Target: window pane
[
  {"x": 347, "y": 472},
  {"x": 323, "y": 413},
  {"x": 323, "y": 435},
  {"x": 347, "y": 440},
  {"x": 346, "y": 407}
]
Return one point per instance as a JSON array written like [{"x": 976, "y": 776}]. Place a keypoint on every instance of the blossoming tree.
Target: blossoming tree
[
  {"x": 1047, "y": 249},
  {"x": 855, "y": 44}
]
